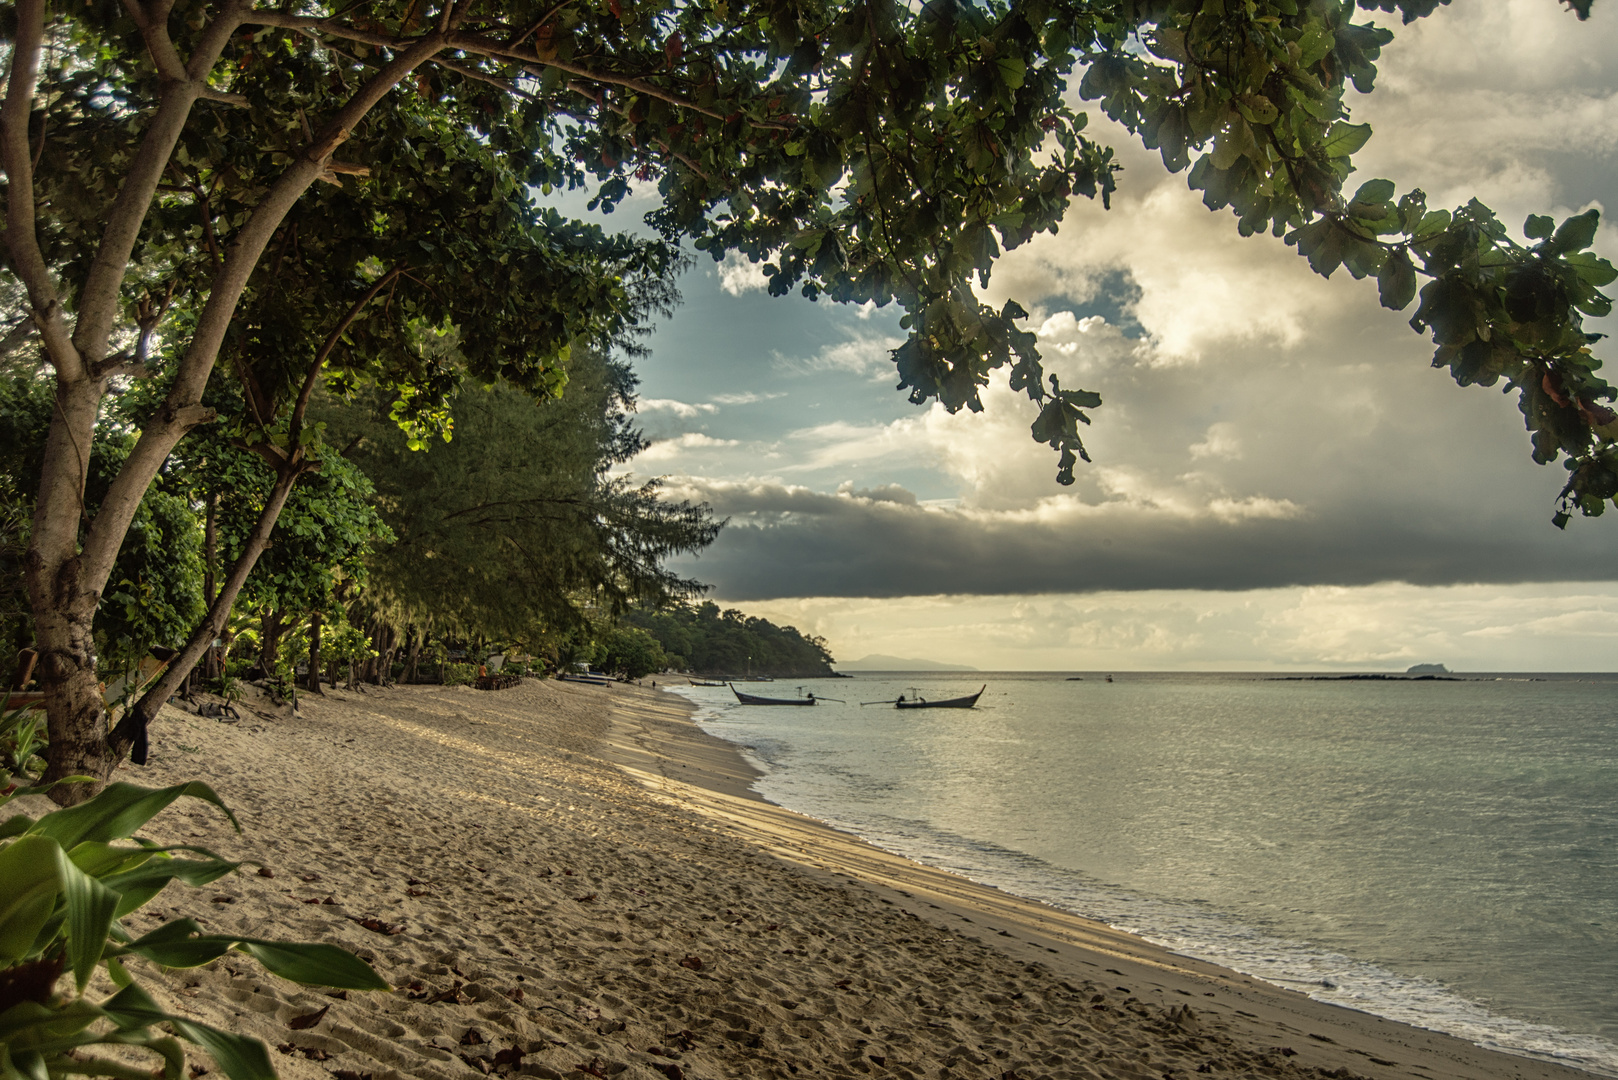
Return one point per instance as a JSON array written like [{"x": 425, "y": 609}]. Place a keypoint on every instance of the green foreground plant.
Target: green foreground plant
[{"x": 65, "y": 885}]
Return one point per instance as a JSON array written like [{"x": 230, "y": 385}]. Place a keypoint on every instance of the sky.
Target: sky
[{"x": 1280, "y": 479}]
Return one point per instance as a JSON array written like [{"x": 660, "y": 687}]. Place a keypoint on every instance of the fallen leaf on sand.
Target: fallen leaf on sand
[
  {"x": 669, "y": 1069},
  {"x": 586, "y": 898},
  {"x": 682, "y": 1039},
  {"x": 453, "y": 996},
  {"x": 586, "y": 1013},
  {"x": 515, "y": 994},
  {"x": 692, "y": 962},
  {"x": 265, "y": 871},
  {"x": 307, "y": 1020},
  {"x": 473, "y": 1037},
  {"x": 223, "y": 900},
  {"x": 311, "y": 877},
  {"x": 595, "y": 1068},
  {"x": 511, "y": 1056},
  {"x": 417, "y": 892},
  {"x": 340, "y": 995},
  {"x": 377, "y": 926},
  {"x": 330, "y": 901},
  {"x": 310, "y": 1052}
]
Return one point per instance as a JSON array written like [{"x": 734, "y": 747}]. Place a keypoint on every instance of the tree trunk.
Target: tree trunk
[
  {"x": 269, "y": 640},
  {"x": 413, "y": 656},
  {"x": 313, "y": 685},
  {"x": 210, "y": 559},
  {"x": 130, "y": 734}
]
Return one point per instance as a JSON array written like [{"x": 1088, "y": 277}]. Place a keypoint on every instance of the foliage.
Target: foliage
[
  {"x": 459, "y": 674},
  {"x": 631, "y": 652},
  {"x": 22, "y": 739},
  {"x": 516, "y": 523},
  {"x": 16, "y": 622},
  {"x": 710, "y": 641},
  {"x": 66, "y": 882},
  {"x": 154, "y": 593}
]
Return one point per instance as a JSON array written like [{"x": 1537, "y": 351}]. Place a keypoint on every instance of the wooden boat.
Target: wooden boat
[
  {"x": 754, "y": 699},
  {"x": 919, "y": 702},
  {"x": 707, "y": 682},
  {"x": 593, "y": 679}
]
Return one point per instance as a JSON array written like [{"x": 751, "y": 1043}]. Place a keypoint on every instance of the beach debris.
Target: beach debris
[
  {"x": 222, "y": 899},
  {"x": 452, "y": 996},
  {"x": 265, "y": 871},
  {"x": 417, "y": 892},
  {"x": 668, "y": 1069},
  {"x": 340, "y": 995},
  {"x": 308, "y": 1020},
  {"x": 595, "y": 1068},
  {"x": 473, "y": 1037},
  {"x": 515, "y": 994},
  {"x": 377, "y": 926},
  {"x": 310, "y": 877},
  {"x": 692, "y": 962},
  {"x": 683, "y": 1039},
  {"x": 586, "y": 898},
  {"x": 586, "y": 1013},
  {"x": 310, "y": 1052},
  {"x": 417, "y": 881}
]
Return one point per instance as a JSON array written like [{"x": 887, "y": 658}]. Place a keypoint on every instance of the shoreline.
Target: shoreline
[
  {"x": 1259, "y": 1011},
  {"x": 574, "y": 881}
]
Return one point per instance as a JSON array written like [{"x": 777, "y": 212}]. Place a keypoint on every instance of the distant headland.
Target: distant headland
[{"x": 881, "y": 662}]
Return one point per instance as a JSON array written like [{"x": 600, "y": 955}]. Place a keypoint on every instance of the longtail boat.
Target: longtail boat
[
  {"x": 919, "y": 702},
  {"x": 754, "y": 699}
]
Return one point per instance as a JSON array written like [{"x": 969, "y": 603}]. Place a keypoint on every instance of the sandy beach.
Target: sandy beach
[{"x": 570, "y": 880}]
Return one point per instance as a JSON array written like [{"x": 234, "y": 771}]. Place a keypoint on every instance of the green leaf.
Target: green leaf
[
  {"x": 1396, "y": 283},
  {"x": 1577, "y": 232},
  {"x": 1373, "y": 192},
  {"x": 118, "y": 811},
  {"x": 1012, "y": 71},
  {"x": 315, "y": 964},
  {"x": 32, "y": 883},
  {"x": 90, "y": 909},
  {"x": 1344, "y": 139},
  {"x": 1538, "y": 227}
]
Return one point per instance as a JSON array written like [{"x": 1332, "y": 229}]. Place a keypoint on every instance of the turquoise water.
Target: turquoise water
[{"x": 1441, "y": 853}]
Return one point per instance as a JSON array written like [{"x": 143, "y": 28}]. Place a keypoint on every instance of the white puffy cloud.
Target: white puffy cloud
[
  {"x": 683, "y": 409},
  {"x": 668, "y": 449},
  {"x": 738, "y": 276}
]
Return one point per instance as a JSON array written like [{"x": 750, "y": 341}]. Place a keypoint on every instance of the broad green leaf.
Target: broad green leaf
[
  {"x": 118, "y": 811},
  {"x": 1396, "y": 283},
  {"x": 315, "y": 964},
  {"x": 1012, "y": 71},
  {"x": 1344, "y": 139},
  {"x": 30, "y": 883},
  {"x": 1577, "y": 232},
  {"x": 1373, "y": 192},
  {"x": 90, "y": 908},
  {"x": 1538, "y": 227}
]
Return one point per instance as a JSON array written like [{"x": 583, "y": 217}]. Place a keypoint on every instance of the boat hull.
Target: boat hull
[
  {"x": 754, "y": 699},
  {"x": 952, "y": 703}
]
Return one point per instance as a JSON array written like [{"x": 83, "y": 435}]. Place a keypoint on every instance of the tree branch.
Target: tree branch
[
  {"x": 22, "y": 237},
  {"x": 330, "y": 343}
]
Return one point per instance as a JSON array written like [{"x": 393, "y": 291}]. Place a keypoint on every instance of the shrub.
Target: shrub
[
  {"x": 460, "y": 674},
  {"x": 65, "y": 884}
]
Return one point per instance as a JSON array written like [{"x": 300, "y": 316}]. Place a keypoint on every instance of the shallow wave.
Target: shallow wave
[{"x": 1188, "y": 927}]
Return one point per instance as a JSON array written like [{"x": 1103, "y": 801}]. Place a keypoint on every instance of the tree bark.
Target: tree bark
[
  {"x": 314, "y": 655},
  {"x": 210, "y": 557},
  {"x": 269, "y": 640}
]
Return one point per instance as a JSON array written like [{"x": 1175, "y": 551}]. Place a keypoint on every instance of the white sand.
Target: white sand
[{"x": 584, "y": 881}]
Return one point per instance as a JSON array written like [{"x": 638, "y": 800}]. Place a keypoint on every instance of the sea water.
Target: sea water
[{"x": 1440, "y": 853}]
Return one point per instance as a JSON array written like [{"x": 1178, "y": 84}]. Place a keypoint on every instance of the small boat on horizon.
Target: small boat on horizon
[
  {"x": 916, "y": 701},
  {"x": 754, "y": 699}
]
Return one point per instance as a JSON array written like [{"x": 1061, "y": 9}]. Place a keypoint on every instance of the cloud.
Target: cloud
[
  {"x": 682, "y": 409},
  {"x": 865, "y": 354},
  {"x": 667, "y": 449},
  {"x": 748, "y": 398},
  {"x": 738, "y": 276}
]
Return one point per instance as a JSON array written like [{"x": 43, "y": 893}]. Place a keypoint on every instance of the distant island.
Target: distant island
[
  {"x": 881, "y": 662},
  {"x": 1427, "y": 669}
]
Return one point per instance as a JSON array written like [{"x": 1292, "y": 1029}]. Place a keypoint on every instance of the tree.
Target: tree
[
  {"x": 517, "y": 524},
  {"x": 865, "y": 150}
]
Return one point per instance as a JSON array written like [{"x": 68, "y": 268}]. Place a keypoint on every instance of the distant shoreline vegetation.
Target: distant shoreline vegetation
[{"x": 704, "y": 640}]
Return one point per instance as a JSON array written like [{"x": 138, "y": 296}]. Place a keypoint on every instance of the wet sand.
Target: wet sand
[{"x": 582, "y": 884}]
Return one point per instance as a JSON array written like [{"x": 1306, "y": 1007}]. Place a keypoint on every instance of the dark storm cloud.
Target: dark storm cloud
[{"x": 784, "y": 542}]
